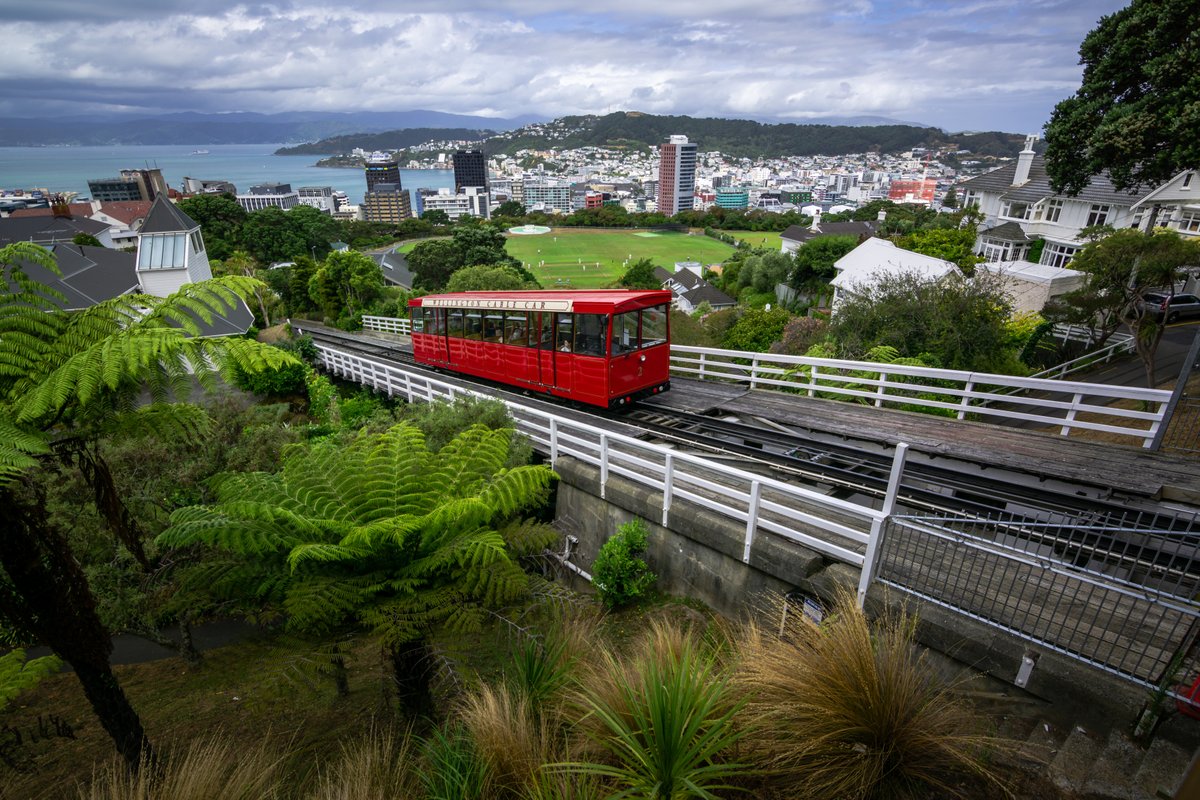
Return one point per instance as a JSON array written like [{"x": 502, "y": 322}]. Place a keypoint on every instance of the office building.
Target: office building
[
  {"x": 319, "y": 197},
  {"x": 471, "y": 201},
  {"x": 470, "y": 169},
  {"x": 201, "y": 186},
  {"x": 387, "y": 202},
  {"x": 265, "y": 195},
  {"x": 381, "y": 168},
  {"x": 129, "y": 185},
  {"x": 732, "y": 197},
  {"x": 676, "y": 175},
  {"x": 553, "y": 197}
]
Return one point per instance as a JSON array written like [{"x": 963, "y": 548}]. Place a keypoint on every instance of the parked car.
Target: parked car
[{"x": 1172, "y": 307}]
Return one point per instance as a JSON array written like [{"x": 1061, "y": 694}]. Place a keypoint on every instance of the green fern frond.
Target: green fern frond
[
  {"x": 179, "y": 422},
  {"x": 19, "y": 447},
  {"x": 514, "y": 490}
]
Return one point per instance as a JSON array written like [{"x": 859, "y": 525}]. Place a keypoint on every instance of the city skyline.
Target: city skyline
[{"x": 979, "y": 65}]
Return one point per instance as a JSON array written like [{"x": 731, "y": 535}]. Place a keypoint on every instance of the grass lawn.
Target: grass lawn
[
  {"x": 571, "y": 256},
  {"x": 768, "y": 239}
]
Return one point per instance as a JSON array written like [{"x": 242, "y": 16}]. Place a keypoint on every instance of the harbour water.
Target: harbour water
[{"x": 68, "y": 169}]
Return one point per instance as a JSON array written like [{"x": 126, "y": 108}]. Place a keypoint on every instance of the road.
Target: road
[{"x": 1128, "y": 370}]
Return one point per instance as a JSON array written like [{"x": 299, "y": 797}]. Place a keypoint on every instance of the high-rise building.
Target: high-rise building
[
  {"x": 381, "y": 168},
  {"x": 470, "y": 169},
  {"x": 131, "y": 185},
  {"x": 676, "y": 175},
  {"x": 387, "y": 202}
]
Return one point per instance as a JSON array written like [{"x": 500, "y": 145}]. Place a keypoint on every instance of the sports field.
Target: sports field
[
  {"x": 758, "y": 238},
  {"x": 591, "y": 258}
]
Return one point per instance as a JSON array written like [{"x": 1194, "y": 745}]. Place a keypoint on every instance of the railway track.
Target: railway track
[{"x": 1147, "y": 538}]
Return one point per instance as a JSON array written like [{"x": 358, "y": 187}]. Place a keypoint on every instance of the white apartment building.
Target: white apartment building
[
  {"x": 319, "y": 197},
  {"x": 472, "y": 201},
  {"x": 269, "y": 194},
  {"x": 551, "y": 196},
  {"x": 1019, "y": 206}
]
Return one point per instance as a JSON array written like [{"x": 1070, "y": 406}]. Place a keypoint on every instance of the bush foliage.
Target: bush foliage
[{"x": 619, "y": 573}]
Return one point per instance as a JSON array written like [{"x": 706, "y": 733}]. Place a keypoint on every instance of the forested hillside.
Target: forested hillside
[{"x": 387, "y": 140}]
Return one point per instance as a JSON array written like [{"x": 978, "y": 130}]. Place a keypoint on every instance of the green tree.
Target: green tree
[
  {"x": 346, "y": 283},
  {"x": 240, "y": 263},
  {"x": 814, "y": 262},
  {"x": 17, "y": 674},
  {"x": 69, "y": 380},
  {"x": 487, "y": 278},
  {"x": 220, "y": 219},
  {"x": 757, "y": 330},
  {"x": 85, "y": 240},
  {"x": 436, "y": 216},
  {"x": 764, "y": 270},
  {"x": 315, "y": 229},
  {"x": 380, "y": 533},
  {"x": 951, "y": 198},
  {"x": 269, "y": 238},
  {"x": 481, "y": 243},
  {"x": 510, "y": 208},
  {"x": 959, "y": 322},
  {"x": 432, "y": 264},
  {"x": 1137, "y": 113},
  {"x": 640, "y": 275},
  {"x": 949, "y": 244},
  {"x": 1120, "y": 268}
]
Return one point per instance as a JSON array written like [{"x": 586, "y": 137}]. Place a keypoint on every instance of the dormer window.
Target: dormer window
[
  {"x": 197, "y": 242},
  {"x": 1187, "y": 180}
]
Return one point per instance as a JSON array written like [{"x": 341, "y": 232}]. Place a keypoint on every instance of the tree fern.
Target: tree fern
[{"x": 379, "y": 532}]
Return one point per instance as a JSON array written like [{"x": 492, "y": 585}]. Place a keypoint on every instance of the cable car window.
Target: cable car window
[
  {"x": 493, "y": 327},
  {"x": 516, "y": 328},
  {"x": 435, "y": 321},
  {"x": 474, "y": 321},
  {"x": 417, "y": 320},
  {"x": 563, "y": 337},
  {"x": 456, "y": 322},
  {"x": 625, "y": 333},
  {"x": 546, "y": 333},
  {"x": 590, "y": 330},
  {"x": 654, "y": 326}
]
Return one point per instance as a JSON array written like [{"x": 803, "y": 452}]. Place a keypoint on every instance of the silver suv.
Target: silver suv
[{"x": 1173, "y": 308}]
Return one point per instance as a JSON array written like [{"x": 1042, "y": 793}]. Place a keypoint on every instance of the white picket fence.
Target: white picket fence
[
  {"x": 984, "y": 396},
  {"x": 839, "y": 529}
]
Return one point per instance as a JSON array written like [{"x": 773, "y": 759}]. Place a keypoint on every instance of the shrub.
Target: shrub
[
  {"x": 619, "y": 573},
  {"x": 854, "y": 711},
  {"x": 279, "y": 382}
]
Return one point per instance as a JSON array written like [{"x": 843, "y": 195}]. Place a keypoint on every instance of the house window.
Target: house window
[
  {"x": 1049, "y": 210},
  {"x": 1189, "y": 222},
  {"x": 1187, "y": 180},
  {"x": 970, "y": 199},
  {"x": 197, "y": 242},
  {"x": 1058, "y": 255},
  {"x": 161, "y": 252},
  {"x": 1098, "y": 215},
  {"x": 996, "y": 251},
  {"x": 1015, "y": 210}
]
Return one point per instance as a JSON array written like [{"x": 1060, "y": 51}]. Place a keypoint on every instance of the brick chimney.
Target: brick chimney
[
  {"x": 59, "y": 207},
  {"x": 1024, "y": 162}
]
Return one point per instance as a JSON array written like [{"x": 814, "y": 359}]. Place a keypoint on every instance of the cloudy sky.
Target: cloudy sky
[{"x": 957, "y": 64}]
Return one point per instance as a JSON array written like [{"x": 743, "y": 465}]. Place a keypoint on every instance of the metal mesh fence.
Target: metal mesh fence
[{"x": 1116, "y": 593}]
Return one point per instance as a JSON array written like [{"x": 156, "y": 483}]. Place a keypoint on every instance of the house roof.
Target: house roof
[
  {"x": 47, "y": 229},
  {"x": 166, "y": 217},
  {"x": 128, "y": 211},
  {"x": 875, "y": 258},
  {"x": 695, "y": 289},
  {"x": 76, "y": 209},
  {"x": 1008, "y": 232},
  {"x": 395, "y": 269},
  {"x": 1028, "y": 271},
  {"x": 799, "y": 233},
  {"x": 90, "y": 275},
  {"x": 1099, "y": 189},
  {"x": 233, "y": 322}
]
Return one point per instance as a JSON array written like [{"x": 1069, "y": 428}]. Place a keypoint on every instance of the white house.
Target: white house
[
  {"x": 1030, "y": 286},
  {"x": 1176, "y": 204},
  {"x": 874, "y": 258},
  {"x": 1019, "y": 206}
]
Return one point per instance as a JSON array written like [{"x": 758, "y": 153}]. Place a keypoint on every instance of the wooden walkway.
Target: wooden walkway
[{"x": 1127, "y": 469}]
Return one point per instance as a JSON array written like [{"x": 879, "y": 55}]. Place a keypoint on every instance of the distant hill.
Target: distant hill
[
  {"x": 743, "y": 138},
  {"x": 235, "y": 128},
  {"x": 388, "y": 140}
]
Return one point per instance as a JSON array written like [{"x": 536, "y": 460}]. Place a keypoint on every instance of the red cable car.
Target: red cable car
[{"x": 605, "y": 347}]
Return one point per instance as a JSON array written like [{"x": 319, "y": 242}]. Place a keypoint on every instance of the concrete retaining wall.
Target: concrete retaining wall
[{"x": 700, "y": 556}]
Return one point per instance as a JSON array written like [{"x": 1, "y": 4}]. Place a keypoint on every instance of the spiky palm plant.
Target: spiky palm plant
[
  {"x": 380, "y": 532},
  {"x": 66, "y": 381}
]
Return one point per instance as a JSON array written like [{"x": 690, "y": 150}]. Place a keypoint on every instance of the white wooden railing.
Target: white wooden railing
[
  {"x": 1119, "y": 343},
  {"x": 836, "y": 528},
  {"x": 956, "y": 393},
  {"x": 401, "y": 325},
  {"x": 953, "y": 392}
]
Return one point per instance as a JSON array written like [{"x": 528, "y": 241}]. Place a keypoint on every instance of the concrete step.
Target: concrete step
[
  {"x": 1072, "y": 765},
  {"x": 1042, "y": 743},
  {"x": 1162, "y": 770},
  {"x": 1112, "y": 774}
]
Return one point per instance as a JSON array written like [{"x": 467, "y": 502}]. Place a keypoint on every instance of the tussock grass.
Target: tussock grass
[
  {"x": 378, "y": 766},
  {"x": 207, "y": 768},
  {"x": 509, "y": 738},
  {"x": 854, "y": 711}
]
